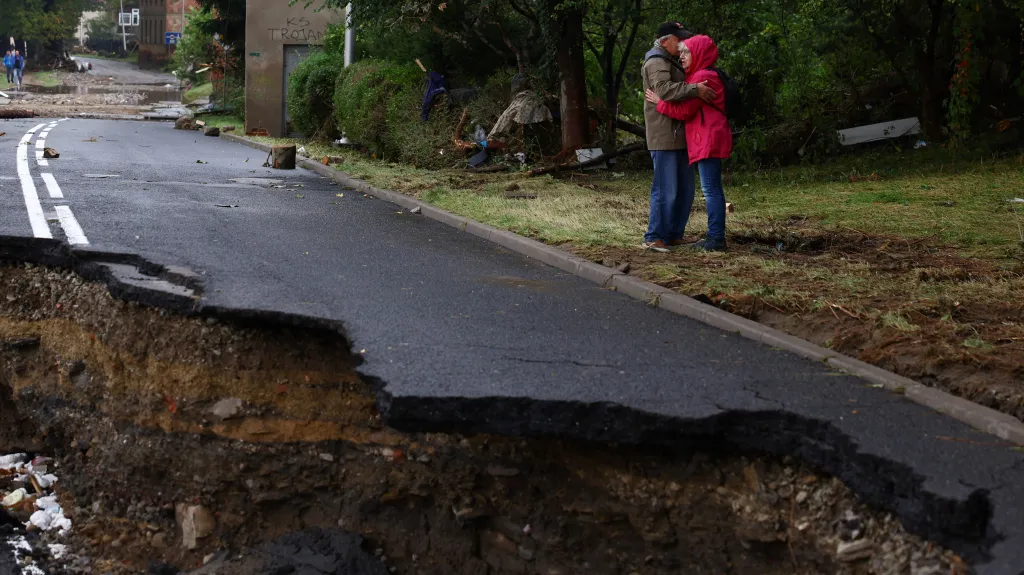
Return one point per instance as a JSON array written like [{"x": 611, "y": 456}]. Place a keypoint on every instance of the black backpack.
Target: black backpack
[{"x": 733, "y": 92}]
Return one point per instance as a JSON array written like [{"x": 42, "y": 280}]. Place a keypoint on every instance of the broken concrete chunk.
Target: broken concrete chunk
[
  {"x": 227, "y": 408},
  {"x": 855, "y": 550},
  {"x": 196, "y": 522},
  {"x": 50, "y": 153},
  {"x": 211, "y": 131},
  {"x": 283, "y": 157}
]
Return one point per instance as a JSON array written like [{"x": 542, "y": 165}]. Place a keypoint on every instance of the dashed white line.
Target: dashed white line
[
  {"x": 51, "y": 185},
  {"x": 72, "y": 230},
  {"x": 36, "y": 218}
]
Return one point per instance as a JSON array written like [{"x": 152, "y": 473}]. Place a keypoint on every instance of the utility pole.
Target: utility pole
[
  {"x": 124, "y": 33},
  {"x": 350, "y": 37}
]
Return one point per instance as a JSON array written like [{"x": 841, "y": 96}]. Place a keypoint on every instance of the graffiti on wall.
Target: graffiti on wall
[{"x": 298, "y": 30}]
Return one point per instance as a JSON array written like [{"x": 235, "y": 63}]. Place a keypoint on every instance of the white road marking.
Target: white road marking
[
  {"x": 40, "y": 144},
  {"x": 41, "y": 161},
  {"x": 51, "y": 185},
  {"x": 40, "y": 228},
  {"x": 33, "y": 130},
  {"x": 71, "y": 228}
]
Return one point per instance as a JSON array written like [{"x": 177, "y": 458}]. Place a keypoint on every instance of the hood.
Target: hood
[{"x": 704, "y": 51}]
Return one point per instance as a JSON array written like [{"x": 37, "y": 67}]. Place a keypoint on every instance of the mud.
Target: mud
[
  {"x": 894, "y": 274},
  {"x": 128, "y": 399}
]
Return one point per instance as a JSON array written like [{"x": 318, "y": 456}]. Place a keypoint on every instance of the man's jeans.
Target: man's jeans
[
  {"x": 10, "y": 75},
  {"x": 711, "y": 183},
  {"x": 671, "y": 195},
  {"x": 19, "y": 74}
]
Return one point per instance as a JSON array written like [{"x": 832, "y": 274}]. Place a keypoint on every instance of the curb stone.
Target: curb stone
[{"x": 997, "y": 423}]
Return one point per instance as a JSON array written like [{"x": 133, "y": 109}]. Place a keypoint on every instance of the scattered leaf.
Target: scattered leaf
[
  {"x": 340, "y": 195},
  {"x": 300, "y": 196}
]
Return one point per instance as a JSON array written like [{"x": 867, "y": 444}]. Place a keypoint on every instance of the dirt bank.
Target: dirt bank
[{"x": 169, "y": 430}]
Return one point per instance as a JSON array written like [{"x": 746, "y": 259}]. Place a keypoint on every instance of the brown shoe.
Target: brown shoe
[
  {"x": 656, "y": 246},
  {"x": 684, "y": 241}
]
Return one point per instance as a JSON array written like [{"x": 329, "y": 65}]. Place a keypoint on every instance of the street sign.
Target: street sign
[{"x": 172, "y": 38}]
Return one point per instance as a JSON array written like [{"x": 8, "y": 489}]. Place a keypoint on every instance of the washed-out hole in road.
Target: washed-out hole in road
[
  {"x": 179, "y": 437},
  {"x": 135, "y": 94}
]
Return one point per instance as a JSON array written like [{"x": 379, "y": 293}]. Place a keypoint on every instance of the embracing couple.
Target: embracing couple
[{"x": 686, "y": 128}]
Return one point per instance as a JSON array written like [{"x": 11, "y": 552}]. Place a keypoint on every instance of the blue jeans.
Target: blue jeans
[
  {"x": 711, "y": 183},
  {"x": 671, "y": 196},
  {"x": 19, "y": 74}
]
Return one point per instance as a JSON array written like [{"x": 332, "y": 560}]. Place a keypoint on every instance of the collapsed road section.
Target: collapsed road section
[{"x": 180, "y": 434}]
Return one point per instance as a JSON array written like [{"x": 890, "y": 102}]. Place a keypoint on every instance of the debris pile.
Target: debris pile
[{"x": 31, "y": 517}]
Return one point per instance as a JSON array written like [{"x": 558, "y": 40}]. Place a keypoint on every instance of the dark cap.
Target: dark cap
[{"x": 674, "y": 29}]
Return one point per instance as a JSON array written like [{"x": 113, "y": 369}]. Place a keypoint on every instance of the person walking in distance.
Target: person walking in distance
[
  {"x": 9, "y": 66},
  {"x": 673, "y": 185},
  {"x": 708, "y": 134},
  {"x": 19, "y": 67}
]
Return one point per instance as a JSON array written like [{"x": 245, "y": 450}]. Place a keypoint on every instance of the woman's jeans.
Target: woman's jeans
[{"x": 711, "y": 183}]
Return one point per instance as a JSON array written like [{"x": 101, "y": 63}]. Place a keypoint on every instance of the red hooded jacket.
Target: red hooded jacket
[{"x": 708, "y": 134}]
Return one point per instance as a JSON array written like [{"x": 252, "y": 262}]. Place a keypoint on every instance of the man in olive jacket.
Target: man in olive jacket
[{"x": 673, "y": 186}]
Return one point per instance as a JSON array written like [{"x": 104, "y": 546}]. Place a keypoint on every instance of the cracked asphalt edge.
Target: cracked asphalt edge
[{"x": 1001, "y": 425}]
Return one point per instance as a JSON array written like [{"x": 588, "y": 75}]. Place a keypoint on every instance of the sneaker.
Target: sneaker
[
  {"x": 656, "y": 246},
  {"x": 709, "y": 245}
]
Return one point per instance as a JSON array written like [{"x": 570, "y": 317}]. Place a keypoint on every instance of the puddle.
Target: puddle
[{"x": 145, "y": 94}]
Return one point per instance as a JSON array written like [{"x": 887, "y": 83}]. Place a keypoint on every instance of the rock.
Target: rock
[
  {"x": 50, "y": 153},
  {"x": 498, "y": 471},
  {"x": 211, "y": 131},
  {"x": 227, "y": 408},
  {"x": 848, "y": 552},
  {"x": 228, "y": 129},
  {"x": 415, "y": 210},
  {"x": 184, "y": 123},
  {"x": 196, "y": 522},
  {"x": 159, "y": 541},
  {"x": 801, "y": 497}
]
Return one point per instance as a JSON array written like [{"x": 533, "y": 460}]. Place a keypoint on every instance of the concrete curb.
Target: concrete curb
[{"x": 986, "y": 419}]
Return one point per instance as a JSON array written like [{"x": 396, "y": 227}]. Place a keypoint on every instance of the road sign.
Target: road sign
[{"x": 172, "y": 38}]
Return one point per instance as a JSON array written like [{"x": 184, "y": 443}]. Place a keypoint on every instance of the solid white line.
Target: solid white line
[
  {"x": 71, "y": 228},
  {"x": 51, "y": 185},
  {"x": 33, "y": 130},
  {"x": 40, "y": 228}
]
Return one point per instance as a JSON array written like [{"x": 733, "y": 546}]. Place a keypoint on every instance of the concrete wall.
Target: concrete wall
[{"x": 270, "y": 26}]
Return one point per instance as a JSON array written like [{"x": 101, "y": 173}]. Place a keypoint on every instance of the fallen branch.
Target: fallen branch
[
  {"x": 635, "y": 129},
  {"x": 592, "y": 162},
  {"x": 457, "y": 136}
]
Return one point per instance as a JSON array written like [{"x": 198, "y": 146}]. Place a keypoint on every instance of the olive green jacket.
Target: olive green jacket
[{"x": 669, "y": 82}]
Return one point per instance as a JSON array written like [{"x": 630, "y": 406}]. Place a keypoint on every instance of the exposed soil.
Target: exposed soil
[
  {"x": 126, "y": 399},
  {"x": 965, "y": 335}
]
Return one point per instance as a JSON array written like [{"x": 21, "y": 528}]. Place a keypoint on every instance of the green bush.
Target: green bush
[
  {"x": 310, "y": 95},
  {"x": 362, "y": 98}
]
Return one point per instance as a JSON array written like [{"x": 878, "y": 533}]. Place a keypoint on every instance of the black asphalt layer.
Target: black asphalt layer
[{"x": 467, "y": 336}]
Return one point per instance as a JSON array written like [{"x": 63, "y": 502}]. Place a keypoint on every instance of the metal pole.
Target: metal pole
[
  {"x": 350, "y": 37},
  {"x": 124, "y": 34}
]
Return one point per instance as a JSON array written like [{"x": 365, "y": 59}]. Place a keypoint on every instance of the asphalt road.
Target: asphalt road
[
  {"x": 468, "y": 336},
  {"x": 126, "y": 72}
]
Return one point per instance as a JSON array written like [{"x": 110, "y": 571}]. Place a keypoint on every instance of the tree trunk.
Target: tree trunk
[{"x": 571, "y": 72}]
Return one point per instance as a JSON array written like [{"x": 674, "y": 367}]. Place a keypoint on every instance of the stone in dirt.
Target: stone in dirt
[
  {"x": 196, "y": 523},
  {"x": 211, "y": 131},
  {"x": 227, "y": 408},
  {"x": 312, "y": 552},
  {"x": 855, "y": 550}
]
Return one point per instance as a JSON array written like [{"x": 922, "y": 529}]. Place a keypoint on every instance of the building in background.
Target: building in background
[
  {"x": 278, "y": 35},
  {"x": 82, "y": 33},
  {"x": 160, "y": 24}
]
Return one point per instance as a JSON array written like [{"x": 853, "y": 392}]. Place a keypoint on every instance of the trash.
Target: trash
[
  {"x": 13, "y": 498},
  {"x": 526, "y": 108},
  {"x": 881, "y": 131},
  {"x": 478, "y": 158},
  {"x": 201, "y": 162},
  {"x": 480, "y": 135},
  {"x": 415, "y": 210},
  {"x": 50, "y": 153},
  {"x": 302, "y": 150},
  {"x": 200, "y": 123},
  {"x": 435, "y": 87},
  {"x": 100, "y": 176},
  {"x": 587, "y": 154},
  {"x": 1017, "y": 200},
  {"x": 920, "y": 144},
  {"x": 328, "y": 160},
  {"x": 729, "y": 207},
  {"x": 225, "y": 205},
  {"x": 211, "y": 131}
]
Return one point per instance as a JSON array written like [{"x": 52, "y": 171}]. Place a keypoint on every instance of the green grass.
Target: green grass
[
  {"x": 47, "y": 79},
  {"x": 199, "y": 92},
  {"x": 221, "y": 120}
]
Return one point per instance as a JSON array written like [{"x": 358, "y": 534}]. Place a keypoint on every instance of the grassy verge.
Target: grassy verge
[
  {"x": 912, "y": 261},
  {"x": 222, "y": 120},
  {"x": 47, "y": 79},
  {"x": 199, "y": 92}
]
